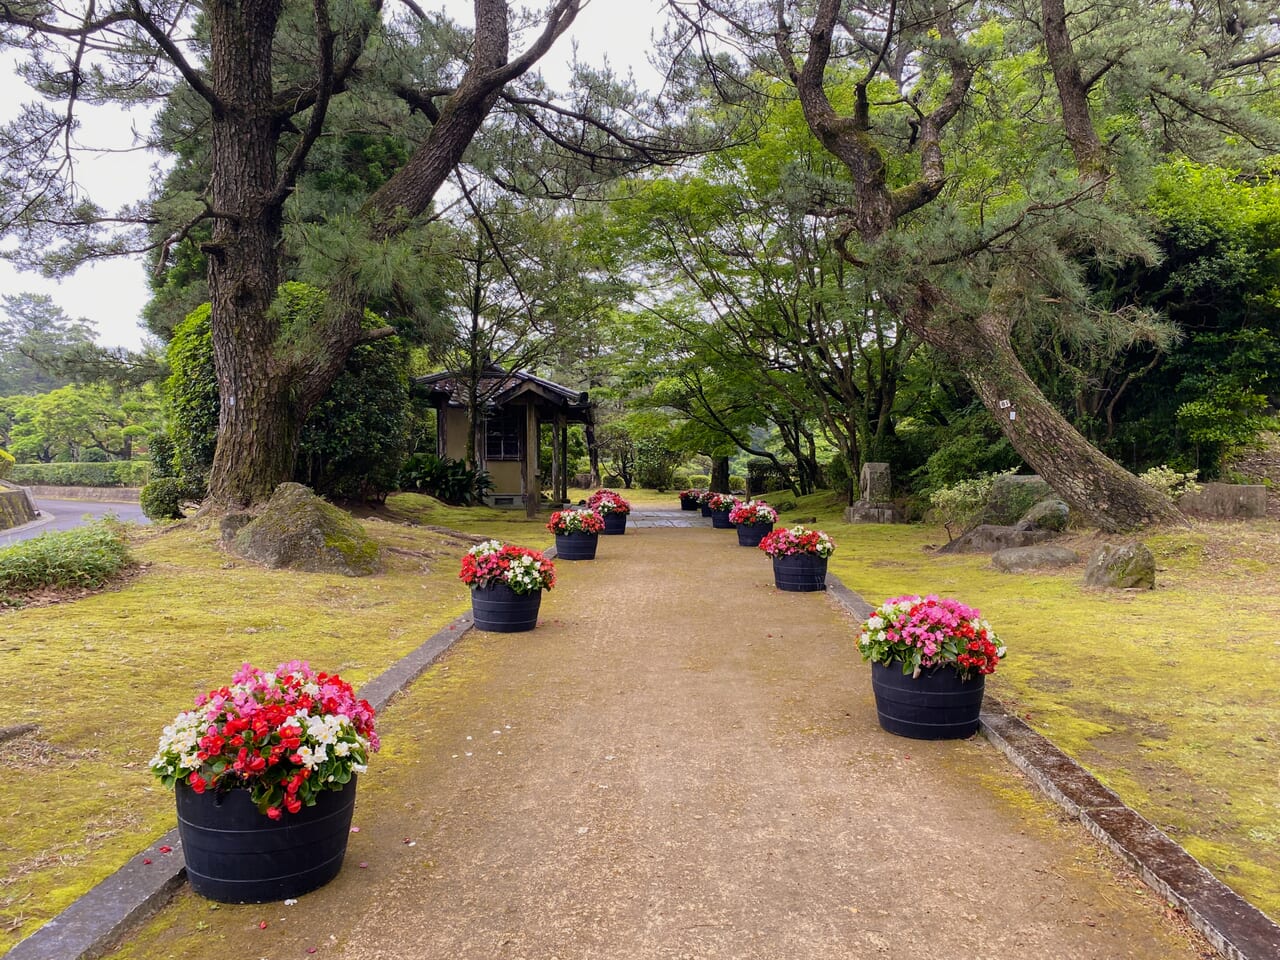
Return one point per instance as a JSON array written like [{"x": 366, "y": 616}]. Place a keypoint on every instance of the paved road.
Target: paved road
[{"x": 66, "y": 514}]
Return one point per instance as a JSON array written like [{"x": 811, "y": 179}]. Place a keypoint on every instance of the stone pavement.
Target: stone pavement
[{"x": 682, "y": 762}]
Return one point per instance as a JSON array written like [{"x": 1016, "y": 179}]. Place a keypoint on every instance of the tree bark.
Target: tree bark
[
  {"x": 258, "y": 424},
  {"x": 1093, "y": 485},
  {"x": 719, "y": 482}
]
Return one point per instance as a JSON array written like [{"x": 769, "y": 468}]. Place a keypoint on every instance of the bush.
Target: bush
[
  {"x": 1170, "y": 482},
  {"x": 737, "y": 484},
  {"x": 700, "y": 480},
  {"x": 161, "y": 499},
  {"x": 87, "y": 556},
  {"x": 959, "y": 505},
  {"x": 6, "y": 463},
  {"x": 117, "y": 473},
  {"x": 451, "y": 481},
  {"x": 94, "y": 455},
  {"x": 162, "y": 454},
  {"x": 613, "y": 480},
  {"x": 680, "y": 481}
]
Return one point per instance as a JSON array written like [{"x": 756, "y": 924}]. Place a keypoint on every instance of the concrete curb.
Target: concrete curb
[
  {"x": 1233, "y": 926},
  {"x": 90, "y": 926}
]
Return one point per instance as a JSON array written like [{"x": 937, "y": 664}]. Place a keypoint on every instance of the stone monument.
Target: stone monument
[{"x": 875, "y": 487}]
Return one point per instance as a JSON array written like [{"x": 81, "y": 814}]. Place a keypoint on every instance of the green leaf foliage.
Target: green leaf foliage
[{"x": 354, "y": 439}]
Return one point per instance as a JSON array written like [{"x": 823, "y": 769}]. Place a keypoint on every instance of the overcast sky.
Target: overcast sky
[{"x": 112, "y": 294}]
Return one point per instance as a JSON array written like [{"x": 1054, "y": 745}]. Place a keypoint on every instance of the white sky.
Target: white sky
[{"x": 112, "y": 294}]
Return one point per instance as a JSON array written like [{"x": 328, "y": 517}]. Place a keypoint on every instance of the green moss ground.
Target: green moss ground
[
  {"x": 1167, "y": 696},
  {"x": 102, "y": 675}
]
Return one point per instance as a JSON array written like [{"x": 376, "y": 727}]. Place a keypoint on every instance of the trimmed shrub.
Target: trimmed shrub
[
  {"x": 6, "y": 463},
  {"x": 680, "y": 481},
  {"x": 161, "y": 499},
  {"x": 737, "y": 484},
  {"x": 117, "y": 473},
  {"x": 451, "y": 481},
  {"x": 87, "y": 556},
  {"x": 700, "y": 480}
]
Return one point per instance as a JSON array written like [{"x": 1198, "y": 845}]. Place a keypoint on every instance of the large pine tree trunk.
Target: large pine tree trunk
[
  {"x": 257, "y": 425},
  {"x": 719, "y": 482},
  {"x": 1093, "y": 485}
]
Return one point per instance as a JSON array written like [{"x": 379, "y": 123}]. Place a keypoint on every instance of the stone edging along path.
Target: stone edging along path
[{"x": 1238, "y": 930}]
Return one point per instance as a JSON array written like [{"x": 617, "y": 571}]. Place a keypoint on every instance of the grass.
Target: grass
[
  {"x": 1167, "y": 696},
  {"x": 102, "y": 675},
  {"x": 85, "y": 557}
]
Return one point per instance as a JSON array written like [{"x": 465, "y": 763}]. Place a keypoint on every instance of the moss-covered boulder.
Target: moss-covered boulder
[
  {"x": 1012, "y": 496},
  {"x": 1049, "y": 514},
  {"x": 1129, "y": 566},
  {"x": 299, "y": 530}
]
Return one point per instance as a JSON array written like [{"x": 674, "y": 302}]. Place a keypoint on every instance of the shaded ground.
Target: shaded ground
[{"x": 682, "y": 762}]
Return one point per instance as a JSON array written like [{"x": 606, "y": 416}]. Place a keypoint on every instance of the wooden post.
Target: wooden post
[
  {"x": 529, "y": 471},
  {"x": 563, "y": 490},
  {"x": 557, "y": 467}
]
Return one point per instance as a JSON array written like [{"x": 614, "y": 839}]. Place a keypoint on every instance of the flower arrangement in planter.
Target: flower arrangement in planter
[
  {"x": 930, "y": 657},
  {"x": 722, "y": 501},
  {"x": 690, "y": 499},
  {"x": 613, "y": 508},
  {"x": 565, "y": 522},
  {"x": 753, "y": 513},
  {"x": 704, "y": 502},
  {"x": 799, "y": 558},
  {"x": 791, "y": 541},
  {"x": 754, "y": 520},
  {"x": 519, "y": 569},
  {"x": 721, "y": 504},
  {"x": 606, "y": 502},
  {"x": 269, "y": 752},
  {"x": 506, "y": 584},
  {"x": 577, "y": 533}
]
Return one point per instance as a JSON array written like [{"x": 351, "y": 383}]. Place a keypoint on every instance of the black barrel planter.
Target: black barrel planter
[
  {"x": 688, "y": 503},
  {"x": 937, "y": 705},
  {"x": 800, "y": 572},
  {"x": 706, "y": 510},
  {"x": 235, "y": 854},
  {"x": 720, "y": 520},
  {"x": 615, "y": 524},
  {"x": 750, "y": 534},
  {"x": 500, "y": 609},
  {"x": 576, "y": 546}
]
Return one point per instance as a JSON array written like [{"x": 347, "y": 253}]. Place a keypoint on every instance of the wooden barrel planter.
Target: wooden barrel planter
[
  {"x": 750, "y": 534},
  {"x": 576, "y": 546},
  {"x": 615, "y": 524},
  {"x": 688, "y": 503},
  {"x": 937, "y": 705},
  {"x": 800, "y": 572},
  {"x": 500, "y": 609},
  {"x": 720, "y": 520},
  {"x": 234, "y": 854}
]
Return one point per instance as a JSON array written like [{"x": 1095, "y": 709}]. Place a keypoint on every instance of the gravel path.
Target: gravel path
[{"x": 682, "y": 762}]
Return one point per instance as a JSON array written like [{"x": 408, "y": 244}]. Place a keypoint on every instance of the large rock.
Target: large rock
[
  {"x": 1226, "y": 501},
  {"x": 1129, "y": 566},
  {"x": 299, "y": 530},
  {"x": 16, "y": 507},
  {"x": 1024, "y": 559},
  {"x": 1011, "y": 496},
  {"x": 988, "y": 538},
  {"x": 1048, "y": 514}
]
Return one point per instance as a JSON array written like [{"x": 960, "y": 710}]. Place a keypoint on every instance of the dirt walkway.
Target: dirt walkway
[{"x": 682, "y": 762}]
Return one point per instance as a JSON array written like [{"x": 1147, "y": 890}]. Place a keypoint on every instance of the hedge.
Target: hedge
[{"x": 117, "y": 473}]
